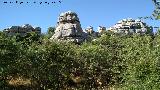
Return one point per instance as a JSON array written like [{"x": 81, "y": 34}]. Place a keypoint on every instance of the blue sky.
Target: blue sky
[{"x": 91, "y": 12}]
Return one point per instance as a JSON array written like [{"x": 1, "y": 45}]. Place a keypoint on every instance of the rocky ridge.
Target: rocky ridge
[
  {"x": 130, "y": 26},
  {"x": 22, "y": 30}
]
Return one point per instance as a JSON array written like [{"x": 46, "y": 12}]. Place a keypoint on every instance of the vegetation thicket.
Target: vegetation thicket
[{"x": 125, "y": 62}]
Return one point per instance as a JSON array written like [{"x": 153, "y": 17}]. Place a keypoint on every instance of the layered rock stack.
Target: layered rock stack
[
  {"x": 90, "y": 31},
  {"x": 129, "y": 26},
  {"x": 101, "y": 30},
  {"x": 22, "y": 30},
  {"x": 69, "y": 28}
]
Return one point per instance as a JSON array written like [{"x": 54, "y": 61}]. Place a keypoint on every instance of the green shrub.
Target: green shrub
[{"x": 126, "y": 62}]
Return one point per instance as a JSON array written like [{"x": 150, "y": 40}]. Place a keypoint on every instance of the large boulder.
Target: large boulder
[{"x": 69, "y": 28}]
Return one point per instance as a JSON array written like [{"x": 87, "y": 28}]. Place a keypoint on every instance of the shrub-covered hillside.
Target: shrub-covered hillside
[{"x": 111, "y": 61}]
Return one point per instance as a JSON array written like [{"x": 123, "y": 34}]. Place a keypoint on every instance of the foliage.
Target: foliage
[
  {"x": 50, "y": 32},
  {"x": 129, "y": 62},
  {"x": 156, "y": 12}
]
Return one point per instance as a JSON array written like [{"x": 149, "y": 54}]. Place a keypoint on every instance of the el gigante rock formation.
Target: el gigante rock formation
[{"x": 69, "y": 28}]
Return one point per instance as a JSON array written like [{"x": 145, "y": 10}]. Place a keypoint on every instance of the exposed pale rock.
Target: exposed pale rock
[
  {"x": 69, "y": 28},
  {"x": 129, "y": 26},
  {"x": 90, "y": 31},
  {"x": 101, "y": 29},
  {"x": 22, "y": 30}
]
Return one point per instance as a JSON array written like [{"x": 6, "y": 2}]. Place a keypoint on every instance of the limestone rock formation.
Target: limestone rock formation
[
  {"x": 101, "y": 30},
  {"x": 22, "y": 30},
  {"x": 129, "y": 26},
  {"x": 69, "y": 28},
  {"x": 90, "y": 31}
]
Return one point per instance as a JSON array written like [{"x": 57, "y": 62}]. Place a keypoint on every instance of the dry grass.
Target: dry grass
[{"x": 19, "y": 81}]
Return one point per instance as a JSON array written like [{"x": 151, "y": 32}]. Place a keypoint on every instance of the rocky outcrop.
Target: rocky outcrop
[
  {"x": 69, "y": 28},
  {"x": 129, "y": 26},
  {"x": 90, "y": 31},
  {"x": 22, "y": 30},
  {"x": 101, "y": 30}
]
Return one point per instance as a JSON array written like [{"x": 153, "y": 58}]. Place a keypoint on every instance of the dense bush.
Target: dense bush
[{"x": 123, "y": 62}]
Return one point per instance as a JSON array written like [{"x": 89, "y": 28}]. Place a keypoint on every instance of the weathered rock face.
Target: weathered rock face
[
  {"x": 22, "y": 30},
  {"x": 90, "y": 31},
  {"x": 69, "y": 28},
  {"x": 101, "y": 30},
  {"x": 129, "y": 26}
]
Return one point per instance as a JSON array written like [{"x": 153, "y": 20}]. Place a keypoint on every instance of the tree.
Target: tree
[
  {"x": 50, "y": 31},
  {"x": 156, "y": 12},
  {"x": 149, "y": 30}
]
